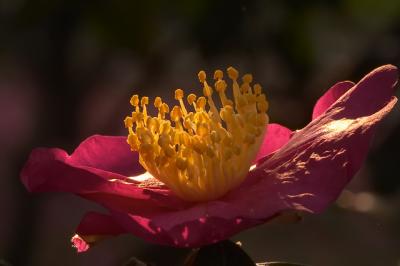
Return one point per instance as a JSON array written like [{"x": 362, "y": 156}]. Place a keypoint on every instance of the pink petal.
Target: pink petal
[
  {"x": 109, "y": 153},
  {"x": 105, "y": 156},
  {"x": 275, "y": 138},
  {"x": 93, "y": 228},
  {"x": 311, "y": 171},
  {"x": 313, "y": 167},
  {"x": 55, "y": 170},
  {"x": 334, "y": 93},
  {"x": 371, "y": 94},
  {"x": 94, "y": 223},
  {"x": 194, "y": 227}
]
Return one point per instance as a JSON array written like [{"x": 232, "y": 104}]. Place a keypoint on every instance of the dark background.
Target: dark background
[{"x": 68, "y": 69}]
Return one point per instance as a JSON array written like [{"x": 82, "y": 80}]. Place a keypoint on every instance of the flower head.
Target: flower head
[
  {"x": 302, "y": 171},
  {"x": 198, "y": 157}
]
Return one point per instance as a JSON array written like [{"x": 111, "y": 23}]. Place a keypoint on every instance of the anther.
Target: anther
[
  {"x": 144, "y": 100},
  {"x": 257, "y": 89},
  {"x": 220, "y": 85},
  {"x": 201, "y": 102},
  {"x": 157, "y": 102},
  {"x": 232, "y": 73},
  {"x": 202, "y": 76},
  {"x": 178, "y": 94},
  {"x": 134, "y": 100},
  {"x": 176, "y": 113},
  {"x": 247, "y": 78},
  {"x": 218, "y": 74},
  {"x": 164, "y": 110},
  {"x": 191, "y": 98},
  {"x": 128, "y": 122}
]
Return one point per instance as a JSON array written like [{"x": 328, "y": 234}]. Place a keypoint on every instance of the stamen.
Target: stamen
[
  {"x": 247, "y": 79},
  {"x": 192, "y": 100},
  {"x": 164, "y": 110},
  {"x": 143, "y": 102},
  {"x": 158, "y": 104},
  {"x": 207, "y": 91},
  {"x": 207, "y": 152},
  {"x": 233, "y": 75},
  {"x": 179, "y": 96},
  {"x": 135, "y": 102}
]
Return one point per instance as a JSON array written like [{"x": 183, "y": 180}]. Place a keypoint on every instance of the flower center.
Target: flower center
[{"x": 206, "y": 152}]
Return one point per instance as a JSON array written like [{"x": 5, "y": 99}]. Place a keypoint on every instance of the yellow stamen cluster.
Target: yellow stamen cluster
[{"x": 206, "y": 152}]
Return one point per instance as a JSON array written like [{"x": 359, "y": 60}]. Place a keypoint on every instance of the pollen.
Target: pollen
[{"x": 206, "y": 147}]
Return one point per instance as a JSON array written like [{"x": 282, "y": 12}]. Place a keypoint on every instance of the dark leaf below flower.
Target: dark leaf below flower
[{"x": 224, "y": 253}]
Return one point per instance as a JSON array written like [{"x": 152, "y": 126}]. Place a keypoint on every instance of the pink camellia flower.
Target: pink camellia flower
[{"x": 199, "y": 187}]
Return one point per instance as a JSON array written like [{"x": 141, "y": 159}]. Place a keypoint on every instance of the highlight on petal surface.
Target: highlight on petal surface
[{"x": 208, "y": 151}]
